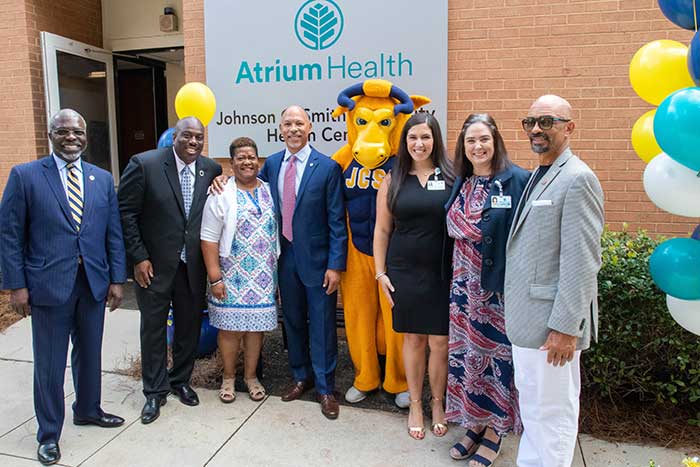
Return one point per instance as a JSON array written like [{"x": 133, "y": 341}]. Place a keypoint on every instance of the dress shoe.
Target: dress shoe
[
  {"x": 107, "y": 420},
  {"x": 151, "y": 409},
  {"x": 48, "y": 453},
  {"x": 186, "y": 394},
  {"x": 296, "y": 391},
  {"x": 329, "y": 406}
]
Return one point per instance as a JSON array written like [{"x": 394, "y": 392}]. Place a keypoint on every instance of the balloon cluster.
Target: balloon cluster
[
  {"x": 666, "y": 74},
  {"x": 192, "y": 100}
]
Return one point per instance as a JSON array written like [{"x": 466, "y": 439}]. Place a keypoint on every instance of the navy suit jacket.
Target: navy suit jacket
[
  {"x": 318, "y": 226},
  {"x": 40, "y": 245},
  {"x": 495, "y": 224}
]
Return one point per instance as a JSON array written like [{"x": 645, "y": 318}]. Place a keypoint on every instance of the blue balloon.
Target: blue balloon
[
  {"x": 166, "y": 139},
  {"x": 694, "y": 58},
  {"x": 207, "y": 334},
  {"x": 696, "y": 233},
  {"x": 675, "y": 268},
  {"x": 680, "y": 12},
  {"x": 208, "y": 337},
  {"x": 677, "y": 127}
]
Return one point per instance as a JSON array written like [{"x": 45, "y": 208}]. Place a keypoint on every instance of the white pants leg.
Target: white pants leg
[{"x": 549, "y": 407}]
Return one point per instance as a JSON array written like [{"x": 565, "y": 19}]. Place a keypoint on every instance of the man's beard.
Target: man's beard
[{"x": 72, "y": 156}]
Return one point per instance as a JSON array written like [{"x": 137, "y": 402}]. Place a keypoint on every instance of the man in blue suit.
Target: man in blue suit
[
  {"x": 308, "y": 195},
  {"x": 62, "y": 257}
]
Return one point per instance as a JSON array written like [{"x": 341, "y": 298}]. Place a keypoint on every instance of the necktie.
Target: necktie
[
  {"x": 289, "y": 198},
  {"x": 186, "y": 187},
  {"x": 75, "y": 195}
]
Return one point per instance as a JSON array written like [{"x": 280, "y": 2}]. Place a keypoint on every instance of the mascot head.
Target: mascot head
[{"x": 377, "y": 111}]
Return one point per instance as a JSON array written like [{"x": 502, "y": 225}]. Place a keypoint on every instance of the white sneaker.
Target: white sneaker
[
  {"x": 402, "y": 400},
  {"x": 354, "y": 395}
]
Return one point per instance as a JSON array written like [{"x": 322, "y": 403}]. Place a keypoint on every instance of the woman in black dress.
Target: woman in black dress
[{"x": 412, "y": 256}]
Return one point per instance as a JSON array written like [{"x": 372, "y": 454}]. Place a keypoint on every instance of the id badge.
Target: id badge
[
  {"x": 434, "y": 185},
  {"x": 501, "y": 202}
]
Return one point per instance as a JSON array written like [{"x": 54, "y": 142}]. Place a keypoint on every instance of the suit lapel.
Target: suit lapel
[
  {"x": 540, "y": 188},
  {"x": 54, "y": 181},
  {"x": 170, "y": 168},
  {"x": 311, "y": 165},
  {"x": 88, "y": 190},
  {"x": 200, "y": 184},
  {"x": 275, "y": 167}
]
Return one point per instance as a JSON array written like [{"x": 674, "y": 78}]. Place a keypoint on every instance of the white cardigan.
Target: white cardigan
[{"x": 220, "y": 218}]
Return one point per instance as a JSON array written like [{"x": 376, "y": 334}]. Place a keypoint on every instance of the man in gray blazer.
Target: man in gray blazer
[{"x": 551, "y": 310}]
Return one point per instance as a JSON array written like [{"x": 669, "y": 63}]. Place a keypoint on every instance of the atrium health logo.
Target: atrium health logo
[{"x": 318, "y": 24}]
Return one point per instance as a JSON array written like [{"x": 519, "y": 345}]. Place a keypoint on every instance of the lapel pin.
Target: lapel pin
[
  {"x": 311, "y": 164},
  {"x": 91, "y": 177},
  {"x": 201, "y": 173}
]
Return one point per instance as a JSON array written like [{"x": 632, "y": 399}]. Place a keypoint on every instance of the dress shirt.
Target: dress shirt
[
  {"x": 181, "y": 165},
  {"x": 63, "y": 173},
  {"x": 302, "y": 158}
]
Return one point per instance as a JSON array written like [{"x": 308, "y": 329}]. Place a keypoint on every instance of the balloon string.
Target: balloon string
[{"x": 695, "y": 14}]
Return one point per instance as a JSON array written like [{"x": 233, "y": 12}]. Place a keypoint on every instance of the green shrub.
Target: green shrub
[{"x": 641, "y": 352}]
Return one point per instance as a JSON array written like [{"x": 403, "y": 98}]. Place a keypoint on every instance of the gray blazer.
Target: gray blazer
[{"x": 553, "y": 257}]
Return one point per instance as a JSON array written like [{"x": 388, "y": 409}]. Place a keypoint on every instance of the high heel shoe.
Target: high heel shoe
[
  {"x": 416, "y": 432},
  {"x": 439, "y": 429}
]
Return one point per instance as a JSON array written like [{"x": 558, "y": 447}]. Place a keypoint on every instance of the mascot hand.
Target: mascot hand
[{"x": 387, "y": 288}]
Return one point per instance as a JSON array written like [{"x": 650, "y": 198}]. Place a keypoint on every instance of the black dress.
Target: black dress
[{"x": 419, "y": 260}]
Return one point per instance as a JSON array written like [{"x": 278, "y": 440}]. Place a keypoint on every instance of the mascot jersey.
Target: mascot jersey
[{"x": 361, "y": 186}]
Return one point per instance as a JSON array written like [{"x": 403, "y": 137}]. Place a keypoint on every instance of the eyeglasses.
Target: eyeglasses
[
  {"x": 545, "y": 122},
  {"x": 67, "y": 131}
]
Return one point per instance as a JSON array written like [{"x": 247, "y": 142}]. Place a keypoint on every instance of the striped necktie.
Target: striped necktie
[
  {"x": 186, "y": 187},
  {"x": 75, "y": 195}
]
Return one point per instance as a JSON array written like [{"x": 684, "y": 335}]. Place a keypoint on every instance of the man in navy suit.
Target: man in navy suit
[
  {"x": 308, "y": 195},
  {"x": 62, "y": 257}
]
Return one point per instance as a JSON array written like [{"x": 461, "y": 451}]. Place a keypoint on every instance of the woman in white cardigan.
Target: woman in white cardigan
[{"x": 240, "y": 247}]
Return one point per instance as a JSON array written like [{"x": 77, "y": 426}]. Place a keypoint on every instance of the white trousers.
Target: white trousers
[{"x": 549, "y": 407}]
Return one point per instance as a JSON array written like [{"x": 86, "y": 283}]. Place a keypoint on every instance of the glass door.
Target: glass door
[{"x": 80, "y": 77}]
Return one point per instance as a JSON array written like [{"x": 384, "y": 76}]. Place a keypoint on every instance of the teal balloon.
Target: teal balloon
[
  {"x": 675, "y": 268},
  {"x": 677, "y": 127}
]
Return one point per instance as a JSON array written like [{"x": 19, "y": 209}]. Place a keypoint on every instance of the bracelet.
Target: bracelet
[
  {"x": 216, "y": 282},
  {"x": 379, "y": 274}
]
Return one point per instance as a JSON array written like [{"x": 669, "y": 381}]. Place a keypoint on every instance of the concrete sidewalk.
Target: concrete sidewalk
[{"x": 269, "y": 433}]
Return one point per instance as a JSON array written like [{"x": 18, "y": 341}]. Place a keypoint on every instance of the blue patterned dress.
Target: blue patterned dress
[
  {"x": 480, "y": 382},
  {"x": 250, "y": 272}
]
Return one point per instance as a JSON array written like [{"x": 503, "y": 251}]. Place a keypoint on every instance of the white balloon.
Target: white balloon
[
  {"x": 685, "y": 312},
  {"x": 672, "y": 186}
]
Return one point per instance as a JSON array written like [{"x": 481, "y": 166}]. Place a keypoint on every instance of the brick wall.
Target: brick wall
[
  {"x": 505, "y": 53},
  {"x": 21, "y": 74}
]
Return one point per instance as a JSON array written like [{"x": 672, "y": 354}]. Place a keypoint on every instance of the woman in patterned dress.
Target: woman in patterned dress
[
  {"x": 481, "y": 394},
  {"x": 240, "y": 249}
]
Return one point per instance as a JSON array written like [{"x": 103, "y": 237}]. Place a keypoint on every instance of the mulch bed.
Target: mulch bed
[
  {"x": 663, "y": 425},
  {"x": 7, "y": 316}
]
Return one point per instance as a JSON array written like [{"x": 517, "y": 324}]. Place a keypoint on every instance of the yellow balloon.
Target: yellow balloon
[
  {"x": 658, "y": 69},
  {"x": 195, "y": 100},
  {"x": 643, "y": 139}
]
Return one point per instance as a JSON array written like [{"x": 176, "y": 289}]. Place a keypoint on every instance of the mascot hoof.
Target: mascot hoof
[
  {"x": 354, "y": 395},
  {"x": 402, "y": 400}
]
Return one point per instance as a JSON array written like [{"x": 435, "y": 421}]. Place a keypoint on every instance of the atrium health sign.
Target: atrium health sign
[{"x": 264, "y": 55}]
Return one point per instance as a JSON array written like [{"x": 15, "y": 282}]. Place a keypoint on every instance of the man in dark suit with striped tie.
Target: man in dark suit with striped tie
[
  {"x": 63, "y": 257},
  {"x": 161, "y": 199}
]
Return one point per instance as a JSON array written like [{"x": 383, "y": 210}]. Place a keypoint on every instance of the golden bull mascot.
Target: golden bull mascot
[{"x": 376, "y": 113}]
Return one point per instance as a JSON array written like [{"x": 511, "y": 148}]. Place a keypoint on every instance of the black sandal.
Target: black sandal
[{"x": 463, "y": 451}]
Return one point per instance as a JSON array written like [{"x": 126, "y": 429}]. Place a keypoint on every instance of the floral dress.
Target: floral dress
[
  {"x": 480, "y": 383},
  {"x": 250, "y": 272}
]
